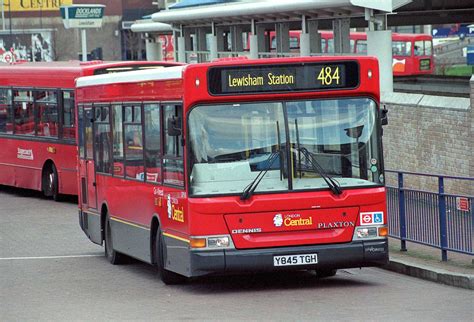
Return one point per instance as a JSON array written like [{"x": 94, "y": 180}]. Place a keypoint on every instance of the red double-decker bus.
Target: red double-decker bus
[
  {"x": 37, "y": 122},
  {"x": 235, "y": 166},
  {"x": 412, "y": 53}
]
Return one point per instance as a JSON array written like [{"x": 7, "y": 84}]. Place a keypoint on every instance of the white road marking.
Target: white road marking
[{"x": 48, "y": 257}]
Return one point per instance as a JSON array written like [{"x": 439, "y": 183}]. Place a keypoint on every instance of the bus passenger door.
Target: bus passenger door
[{"x": 89, "y": 191}]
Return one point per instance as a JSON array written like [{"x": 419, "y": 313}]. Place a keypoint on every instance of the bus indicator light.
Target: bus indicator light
[
  {"x": 197, "y": 242},
  {"x": 383, "y": 231},
  {"x": 51, "y": 149}
]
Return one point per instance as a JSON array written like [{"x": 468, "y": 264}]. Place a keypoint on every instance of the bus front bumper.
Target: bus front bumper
[{"x": 349, "y": 255}]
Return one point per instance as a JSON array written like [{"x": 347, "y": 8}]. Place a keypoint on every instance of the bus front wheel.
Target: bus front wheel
[
  {"x": 51, "y": 182},
  {"x": 168, "y": 277}
]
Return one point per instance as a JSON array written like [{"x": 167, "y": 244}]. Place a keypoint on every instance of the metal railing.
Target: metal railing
[{"x": 436, "y": 219}]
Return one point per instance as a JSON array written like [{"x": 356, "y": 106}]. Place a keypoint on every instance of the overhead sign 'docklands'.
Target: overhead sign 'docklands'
[{"x": 82, "y": 16}]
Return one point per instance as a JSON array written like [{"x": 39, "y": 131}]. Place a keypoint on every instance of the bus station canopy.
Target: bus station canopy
[
  {"x": 148, "y": 26},
  {"x": 271, "y": 10}
]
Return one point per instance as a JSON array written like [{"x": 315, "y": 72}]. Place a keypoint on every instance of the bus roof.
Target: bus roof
[
  {"x": 176, "y": 72},
  {"x": 171, "y": 72},
  {"x": 193, "y": 80},
  {"x": 40, "y": 74},
  {"x": 411, "y": 37}
]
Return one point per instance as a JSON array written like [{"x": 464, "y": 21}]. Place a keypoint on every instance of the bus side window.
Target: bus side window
[
  {"x": 117, "y": 135},
  {"x": 6, "y": 111},
  {"x": 46, "y": 105},
  {"x": 88, "y": 138},
  {"x": 134, "y": 162},
  {"x": 361, "y": 47},
  {"x": 173, "y": 166},
  {"x": 152, "y": 142},
  {"x": 80, "y": 126},
  {"x": 428, "y": 47},
  {"x": 24, "y": 112},
  {"x": 68, "y": 116},
  {"x": 419, "y": 48},
  {"x": 102, "y": 140}
]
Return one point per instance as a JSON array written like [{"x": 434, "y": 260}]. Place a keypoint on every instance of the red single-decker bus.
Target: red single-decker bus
[
  {"x": 37, "y": 122},
  {"x": 235, "y": 166}
]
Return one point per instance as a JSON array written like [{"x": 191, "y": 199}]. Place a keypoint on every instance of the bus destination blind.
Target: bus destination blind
[{"x": 283, "y": 78}]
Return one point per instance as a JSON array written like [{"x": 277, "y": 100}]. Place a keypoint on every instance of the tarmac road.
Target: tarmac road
[{"x": 49, "y": 270}]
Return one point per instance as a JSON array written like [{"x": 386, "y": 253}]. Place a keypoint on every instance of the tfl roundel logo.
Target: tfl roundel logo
[{"x": 371, "y": 218}]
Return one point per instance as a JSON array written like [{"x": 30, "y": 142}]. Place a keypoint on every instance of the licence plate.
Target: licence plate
[{"x": 293, "y": 260}]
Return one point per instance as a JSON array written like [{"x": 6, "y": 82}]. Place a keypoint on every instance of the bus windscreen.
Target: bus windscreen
[{"x": 233, "y": 80}]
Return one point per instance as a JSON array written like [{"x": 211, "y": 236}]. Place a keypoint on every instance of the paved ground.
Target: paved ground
[
  {"x": 50, "y": 271},
  {"x": 425, "y": 262},
  {"x": 424, "y": 255}
]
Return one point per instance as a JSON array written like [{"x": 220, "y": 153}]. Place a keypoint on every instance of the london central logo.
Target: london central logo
[
  {"x": 278, "y": 220},
  {"x": 291, "y": 220}
]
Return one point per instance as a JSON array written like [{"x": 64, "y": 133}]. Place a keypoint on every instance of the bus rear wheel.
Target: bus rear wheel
[
  {"x": 168, "y": 277},
  {"x": 112, "y": 256},
  {"x": 50, "y": 182}
]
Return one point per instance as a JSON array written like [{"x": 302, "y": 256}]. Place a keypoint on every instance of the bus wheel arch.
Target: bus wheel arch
[
  {"x": 168, "y": 277},
  {"x": 103, "y": 215},
  {"x": 155, "y": 224},
  {"x": 113, "y": 256},
  {"x": 50, "y": 180}
]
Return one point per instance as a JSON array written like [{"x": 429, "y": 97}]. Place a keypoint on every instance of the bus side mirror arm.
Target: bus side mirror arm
[
  {"x": 383, "y": 116},
  {"x": 173, "y": 126}
]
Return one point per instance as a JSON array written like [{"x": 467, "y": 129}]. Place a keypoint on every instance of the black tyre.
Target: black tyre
[
  {"x": 112, "y": 256},
  {"x": 168, "y": 277},
  {"x": 51, "y": 183},
  {"x": 322, "y": 273}
]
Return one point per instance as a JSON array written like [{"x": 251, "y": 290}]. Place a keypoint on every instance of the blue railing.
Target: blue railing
[{"x": 437, "y": 219}]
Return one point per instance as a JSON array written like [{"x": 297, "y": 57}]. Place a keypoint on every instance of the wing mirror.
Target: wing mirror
[{"x": 383, "y": 116}]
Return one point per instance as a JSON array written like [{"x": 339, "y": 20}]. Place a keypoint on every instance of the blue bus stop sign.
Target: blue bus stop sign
[{"x": 470, "y": 55}]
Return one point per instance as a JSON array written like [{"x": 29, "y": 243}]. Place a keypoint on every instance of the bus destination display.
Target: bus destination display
[{"x": 282, "y": 78}]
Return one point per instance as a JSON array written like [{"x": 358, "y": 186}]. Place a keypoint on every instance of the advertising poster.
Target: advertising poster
[{"x": 35, "y": 46}]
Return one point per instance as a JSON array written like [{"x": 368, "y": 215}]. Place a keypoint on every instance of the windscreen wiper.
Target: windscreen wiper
[
  {"x": 332, "y": 184},
  {"x": 248, "y": 191}
]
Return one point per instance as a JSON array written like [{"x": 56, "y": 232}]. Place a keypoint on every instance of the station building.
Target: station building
[{"x": 33, "y": 30}]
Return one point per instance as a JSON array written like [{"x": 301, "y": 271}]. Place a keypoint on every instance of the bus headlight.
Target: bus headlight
[
  {"x": 222, "y": 241},
  {"x": 366, "y": 232},
  {"x": 211, "y": 242},
  {"x": 371, "y": 232}
]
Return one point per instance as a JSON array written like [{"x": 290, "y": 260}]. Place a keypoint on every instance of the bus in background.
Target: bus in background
[
  {"x": 412, "y": 53},
  {"x": 37, "y": 122},
  {"x": 235, "y": 166}
]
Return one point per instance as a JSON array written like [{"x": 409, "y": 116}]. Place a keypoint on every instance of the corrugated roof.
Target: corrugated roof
[{"x": 195, "y": 3}]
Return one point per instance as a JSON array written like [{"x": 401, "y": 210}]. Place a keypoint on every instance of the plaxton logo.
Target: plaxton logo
[{"x": 336, "y": 224}]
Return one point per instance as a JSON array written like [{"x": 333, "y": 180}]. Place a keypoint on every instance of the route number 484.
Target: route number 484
[{"x": 329, "y": 76}]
